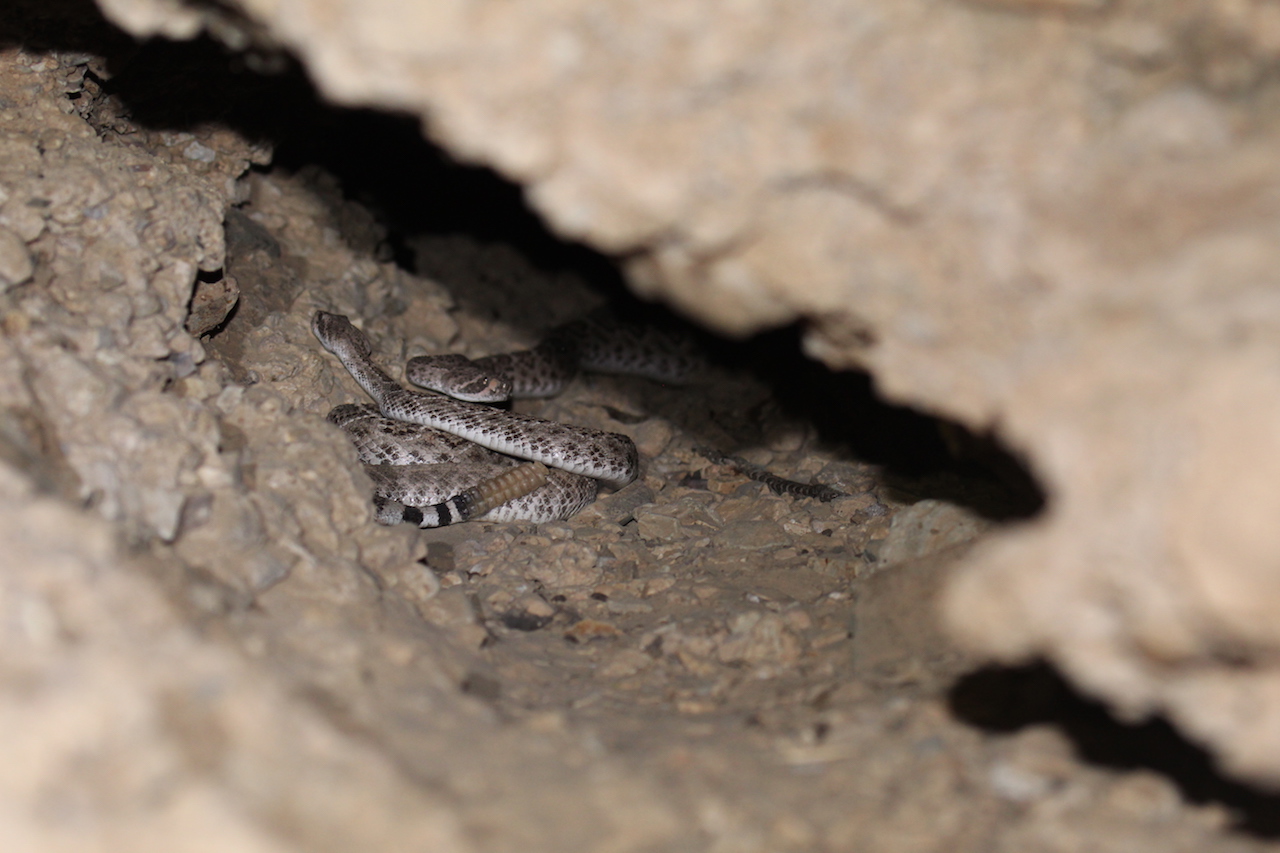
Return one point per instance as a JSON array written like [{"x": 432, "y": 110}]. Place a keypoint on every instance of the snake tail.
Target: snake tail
[{"x": 480, "y": 498}]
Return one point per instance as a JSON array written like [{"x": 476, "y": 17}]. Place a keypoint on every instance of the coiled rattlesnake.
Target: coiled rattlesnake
[{"x": 436, "y": 459}]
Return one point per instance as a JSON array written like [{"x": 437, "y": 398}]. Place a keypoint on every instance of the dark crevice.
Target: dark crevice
[{"x": 1006, "y": 700}]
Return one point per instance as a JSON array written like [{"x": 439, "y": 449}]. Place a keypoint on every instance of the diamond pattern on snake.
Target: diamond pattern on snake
[{"x": 442, "y": 456}]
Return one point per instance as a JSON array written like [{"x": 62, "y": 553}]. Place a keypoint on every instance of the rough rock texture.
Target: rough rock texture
[
  {"x": 208, "y": 646},
  {"x": 1057, "y": 219}
]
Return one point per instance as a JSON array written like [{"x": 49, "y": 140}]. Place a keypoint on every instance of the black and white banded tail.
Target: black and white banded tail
[{"x": 472, "y": 503}]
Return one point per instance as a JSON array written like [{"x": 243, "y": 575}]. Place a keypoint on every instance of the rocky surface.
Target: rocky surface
[
  {"x": 207, "y": 644},
  {"x": 1054, "y": 219}
]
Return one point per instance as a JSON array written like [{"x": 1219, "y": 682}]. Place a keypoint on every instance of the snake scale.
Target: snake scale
[{"x": 437, "y": 459}]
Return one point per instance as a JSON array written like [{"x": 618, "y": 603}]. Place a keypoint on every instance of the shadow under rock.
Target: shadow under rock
[
  {"x": 62, "y": 25},
  {"x": 1008, "y": 699},
  {"x": 919, "y": 456}
]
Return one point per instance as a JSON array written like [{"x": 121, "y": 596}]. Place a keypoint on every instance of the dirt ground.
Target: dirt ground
[{"x": 211, "y": 646}]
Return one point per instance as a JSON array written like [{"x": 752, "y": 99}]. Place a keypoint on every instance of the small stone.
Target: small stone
[
  {"x": 738, "y": 509},
  {"x": 199, "y": 153},
  {"x": 624, "y": 606},
  {"x": 723, "y": 487},
  {"x": 195, "y": 387},
  {"x": 653, "y": 436},
  {"x": 529, "y": 613},
  {"x": 666, "y": 552},
  {"x": 26, "y": 221},
  {"x": 831, "y": 638},
  {"x": 752, "y": 535},
  {"x": 556, "y": 530},
  {"x": 15, "y": 261},
  {"x": 211, "y": 304},
  {"x": 499, "y": 600},
  {"x": 565, "y": 564},
  {"x": 618, "y": 508},
  {"x": 625, "y": 663},
  {"x": 546, "y": 722},
  {"x": 796, "y": 526},
  {"x": 591, "y": 629},
  {"x": 653, "y": 525},
  {"x": 757, "y": 638},
  {"x": 695, "y": 706},
  {"x": 534, "y": 605},
  {"x": 927, "y": 527},
  {"x": 654, "y": 586},
  {"x": 1016, "y": 783}
]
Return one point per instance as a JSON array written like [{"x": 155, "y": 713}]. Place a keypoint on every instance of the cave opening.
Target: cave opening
[{"x": 391, "y": 193}]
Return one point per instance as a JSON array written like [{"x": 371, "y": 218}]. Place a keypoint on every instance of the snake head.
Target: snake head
[
  {"x": 335, "y": 332},
  {"x": 457, "y": 376}
]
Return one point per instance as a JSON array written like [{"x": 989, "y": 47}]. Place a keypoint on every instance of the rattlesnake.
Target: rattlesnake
[{"x": 435, "y": 459}]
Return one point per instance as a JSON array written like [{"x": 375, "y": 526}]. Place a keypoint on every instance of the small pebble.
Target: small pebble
[
  {"x": 591, "y": 629},
  {"x": 15, "y": 261},
  {"x": 654, "y": 586},
  {"x": 752, "y": 535},
  {"x": 563, "y": 564},
  {"x": 657, "y": 526},
  {"x": 199, "y": 153},
  {"x": 653, "y": 436}
]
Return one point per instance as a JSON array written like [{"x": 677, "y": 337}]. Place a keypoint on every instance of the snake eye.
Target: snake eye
[{"x": 484, "y": 389}]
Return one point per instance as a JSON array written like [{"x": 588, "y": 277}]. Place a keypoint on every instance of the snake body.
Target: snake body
[
  {"x": 424, "y": 476},
  {"x": 591, "y": 343},
  {"x": 435, "y": 459}
]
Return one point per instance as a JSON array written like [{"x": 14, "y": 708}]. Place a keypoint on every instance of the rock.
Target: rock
[
  {"x": 752, "y": 535},
  {"x": 652, "y": 436},
  {"x": 419, "y": 583},
  {"x": 529, "y": 613},
  {"x": 210, "y": 304},
  {"x": 199, "y": 153},
  {"x": 926, "y": 527},
  {"x": 758, "y": 638},
  {"x": 564, "y": 564},
  {"x": 625, "y": 606},
  {"x": 621, "y": 506},
  {"x": 627, "y": 662},
  {"x": 586, "y": 630},
  {"x": 16, "y": 266},
  {"x": 898, "y": 629},
  {"x": 658, "y": 526}
]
